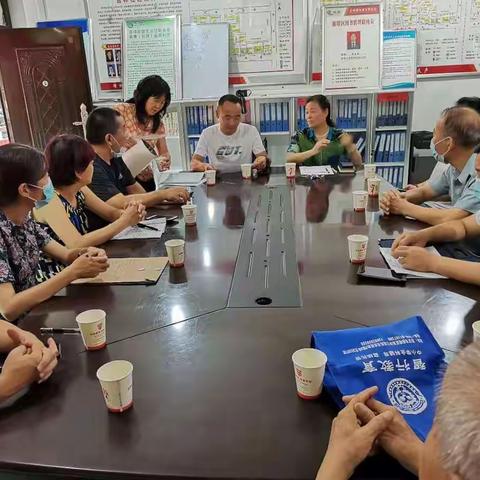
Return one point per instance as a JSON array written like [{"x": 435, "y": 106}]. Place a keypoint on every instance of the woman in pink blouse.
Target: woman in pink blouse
[{"x": 143, "y": 118}]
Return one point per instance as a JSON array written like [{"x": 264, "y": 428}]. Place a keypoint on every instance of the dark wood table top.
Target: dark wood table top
[{"x": 214, "y": 390}]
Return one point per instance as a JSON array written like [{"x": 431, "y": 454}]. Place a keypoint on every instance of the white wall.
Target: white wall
[{"x": 431, "y": 98}]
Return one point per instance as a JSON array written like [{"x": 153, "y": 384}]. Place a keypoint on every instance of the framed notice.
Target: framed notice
[
  {"x": 152, "y": 46},
  {"x": 352, "y": 47},
  {"x": 399, "y": 59}
]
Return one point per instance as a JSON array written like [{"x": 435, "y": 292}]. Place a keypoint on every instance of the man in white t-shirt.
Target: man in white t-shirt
[{"x": 229, "y": 143}]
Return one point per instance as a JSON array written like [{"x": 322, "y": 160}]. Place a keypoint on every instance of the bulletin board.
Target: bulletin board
[
  {"x": 448, "y": 33},
  {"x": 268, "y": 38},
  {"x": 152, "y": 46}
]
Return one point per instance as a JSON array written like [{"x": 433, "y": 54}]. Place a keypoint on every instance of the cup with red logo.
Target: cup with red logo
[
  {"x": 116, "y": 380},
  {"x": 357, "y": 248},
  {"x": 290, "y": 170},
  {"x": 373, "y": 187},
  {"x": 211, "y": 176},
  {"x": 92, "y": 324},
  {"x": 309, "y": 367}
]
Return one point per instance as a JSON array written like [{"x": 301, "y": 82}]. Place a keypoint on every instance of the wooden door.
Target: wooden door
[{"x": 43, "y": 82}]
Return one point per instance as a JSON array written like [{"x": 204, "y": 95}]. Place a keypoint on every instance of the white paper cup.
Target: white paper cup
[
  {"x": 373, "y": 187},
  {"x": 176, "y": 252},
  {"x": 476, "y": 330},
  {"x": 290, "y": 170},
  {"x": 309, "y": 366},
  {"x": 92, "y": 324},
  {"x": 357, "y": 248},
  {"x": 360, "y": 200},
  {"x": 190, "y": 214},
  {"x": 116, "y": 380},
  {"x": 210, "y": 175},
  {"x": 369, "y": 170},
  {"x": 246, "y": 170}
]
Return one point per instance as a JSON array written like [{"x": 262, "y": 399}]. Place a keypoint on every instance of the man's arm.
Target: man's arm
[
  {"x": 423, "y": 193},
  {"x": 433, "y": 216},
  {"x": 150, "y": 199},
  {"x": 198, "y": 164}
]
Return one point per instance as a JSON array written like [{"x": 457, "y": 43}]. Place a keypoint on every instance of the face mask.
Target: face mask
[
  {"x": 48, "y": 194},
  {"x": 437, "y": 156},
  {"x": 121, "y": 151}
]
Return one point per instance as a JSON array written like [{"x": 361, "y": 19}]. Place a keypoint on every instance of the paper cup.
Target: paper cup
[
  {"x": 309, "y": 366},
  {"x": 290, "y": 170},
  {"x": 357, "y": 248},
  {"x": 360, "y": 200},
  {"x": 476, "y": 330},
  {"x": 210, "y": 175},
  {"x": 373, "y": 187},
  {"x": 190, "y": 214},
  {"x": 116, "y": 381},
  {"x": 92, "y": 326},
  {"x": 369, "y": 170},
  {"x": 246, "y": 170},
  {"x": 176, "y": 252}
]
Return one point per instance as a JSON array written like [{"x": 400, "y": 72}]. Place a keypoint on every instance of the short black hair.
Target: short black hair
[
  {"x": 229, "y": 98},
  {"x": 18, "y": 164},
  {"x": 101, "y": 122},
  {"x": 470, "y": 102},
  {"x": 66, "y": 155},
  {"x": 151, "y": 86}
]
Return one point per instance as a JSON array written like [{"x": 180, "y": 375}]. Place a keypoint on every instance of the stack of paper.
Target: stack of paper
[
  {"x": 139, "y": 233},
  {"x": 317, "y": 171},
  {"x": 397, "y": 267},
  {"x": 181, "y": 179}
]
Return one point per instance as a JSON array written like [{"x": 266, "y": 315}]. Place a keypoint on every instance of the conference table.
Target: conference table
[{"x": 214, "y": 390}]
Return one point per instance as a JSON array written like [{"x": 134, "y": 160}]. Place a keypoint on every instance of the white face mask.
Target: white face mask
[
  {"x": 438, "y": 156},
  {"x": 121, "y": 150}
]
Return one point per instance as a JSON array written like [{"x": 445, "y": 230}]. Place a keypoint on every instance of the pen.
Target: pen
[
  {"x": 148, "y": 227},
  {"x": 59, "y": 330}
]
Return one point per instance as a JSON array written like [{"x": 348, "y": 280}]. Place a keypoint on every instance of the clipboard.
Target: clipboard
[{"x": 129, "y": 271}]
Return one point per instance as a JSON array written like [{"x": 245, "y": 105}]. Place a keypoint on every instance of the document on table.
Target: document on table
[
  {"x": 179, "y": 179},
  {"x": 397, "y": 267},
  {"x": 139, "y": 233},
  {"x": 129, "y": 271},
  {"x": 317, "y": 171}
]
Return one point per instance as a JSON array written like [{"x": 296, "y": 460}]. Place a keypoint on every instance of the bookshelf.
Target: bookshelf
[{"x": 367, "y": 117}]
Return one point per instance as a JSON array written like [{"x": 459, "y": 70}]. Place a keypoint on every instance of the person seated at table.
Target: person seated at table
[
  {"x": 455, "y": 138},
  {"x": 24, "y": 183},
  {"x": 70, "y": 167},
  {"x": 112, "y": 181},
  {"x": 28, "y": 359},
  {"x": 408, "y": 248},
  {"x": 229, "y": 143},
  {"x": 321, "y": 143},
  {"x": 451, "y": 450},
  {"x": 142, "y": 115}
]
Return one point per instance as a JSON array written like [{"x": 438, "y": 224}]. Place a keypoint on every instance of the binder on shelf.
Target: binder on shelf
[
  {"x": 262, "y": 117},
  {"x": 278, "y": 117},
  {"x": 354, "y": 121},
  {"x": 403, "y": 139},
  {"x": 267, "y": 117},
  {"x": 381, "y": 149},
  {"x": 363, "y": 116},
  {"x": 286, "y": 117}
]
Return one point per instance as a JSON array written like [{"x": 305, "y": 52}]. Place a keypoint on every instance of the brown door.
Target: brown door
[{"x": 43, "y": 82}]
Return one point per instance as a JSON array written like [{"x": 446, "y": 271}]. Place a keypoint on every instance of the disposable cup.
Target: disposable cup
[
  {"x": 357, "y": 248},
  {"x": 369, "y": 170},
  {"x": 309, "y": 366},
  {"x": 176, "y": 252},
  {"x": 246, "y": 170},
  {"x": 92, "y": 324},
  {"x": 290, "y": 170},
  {"x": 360, "y": 200},
  {"x": 116, "y": 380},
  {"x": 373, "y": 187},
  {"x": 476, "y": 330},
  {"x": 210, "y": 175},
  {"x": 189, "y": 214}
]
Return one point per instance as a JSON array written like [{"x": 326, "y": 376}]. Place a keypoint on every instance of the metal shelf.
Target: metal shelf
[{"x": 399, "y": 128}]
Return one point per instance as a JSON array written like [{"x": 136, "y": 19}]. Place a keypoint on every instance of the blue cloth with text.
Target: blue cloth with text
[{"x": 402, "y": 359}]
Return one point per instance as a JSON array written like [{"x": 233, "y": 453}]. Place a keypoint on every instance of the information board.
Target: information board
[
  {"x": 399, "y": 59},
  {"x": 152, "y": 46}
]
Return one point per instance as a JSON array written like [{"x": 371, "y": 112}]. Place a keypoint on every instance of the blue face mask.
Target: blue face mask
[
  {"x": 437, "y": 156},
  {"x": 48, "y": 194}
]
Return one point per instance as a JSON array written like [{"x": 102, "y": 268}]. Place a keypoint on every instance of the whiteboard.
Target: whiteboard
[{"x": 205, "y": 60}]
